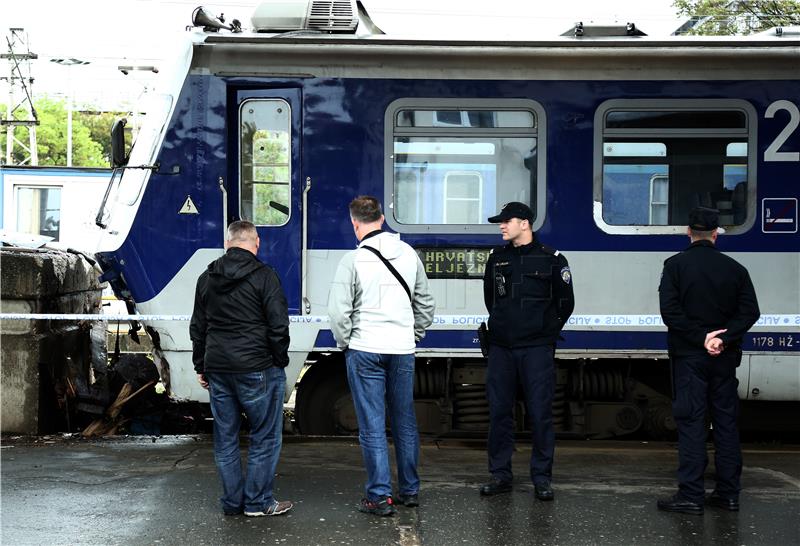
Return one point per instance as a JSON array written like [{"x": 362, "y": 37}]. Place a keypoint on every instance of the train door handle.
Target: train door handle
[
  {"x": 304, "y": 249},
  {"x": 221, "y": 182}
]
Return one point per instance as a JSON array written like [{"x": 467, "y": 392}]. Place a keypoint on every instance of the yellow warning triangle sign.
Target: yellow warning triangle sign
[{"x": 188, "y": 207}]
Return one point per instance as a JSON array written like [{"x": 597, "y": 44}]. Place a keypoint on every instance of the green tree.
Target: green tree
[
  {"x": 729, "y": 17},
  {"x": 270, "y": 176},
  {"x": 99, "y": 125},
  {"x": 20, "y": 134},
  {"x": 51, "y": 137}
]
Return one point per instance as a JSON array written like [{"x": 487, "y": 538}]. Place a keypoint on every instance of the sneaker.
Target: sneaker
[
  {"x": 275, "y": 509},
  {"x": 381, "y": 507},
  {"x": 410, "y": 500}
]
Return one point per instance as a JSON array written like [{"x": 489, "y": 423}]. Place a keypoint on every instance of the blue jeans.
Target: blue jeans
[
  {"x": 375, "y": 378},
  {"x": 260, "y": 396}
]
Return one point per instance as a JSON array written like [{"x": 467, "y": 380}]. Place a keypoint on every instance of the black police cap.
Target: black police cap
[
  {"x": 704, "y": 219},
  {"x": 514, "y": 209}
]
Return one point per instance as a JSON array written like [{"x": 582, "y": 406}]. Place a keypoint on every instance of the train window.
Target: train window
[
  {"x": 463, "y": 193},
  {"x": 657, "y": 160},
  {"x": 465, "y": 118},
  {"x": 39, "y": 211},
  {"x": 675, "y": 120},
  {"x": 453, "y": 163},
  {"x": 157, "y": 106},
  {"x": 265, "y": 168}
]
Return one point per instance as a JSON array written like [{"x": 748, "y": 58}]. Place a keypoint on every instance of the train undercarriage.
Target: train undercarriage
[{"x": 594, "y": 398}]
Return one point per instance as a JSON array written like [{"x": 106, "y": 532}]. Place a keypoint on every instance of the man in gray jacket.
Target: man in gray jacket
[{"x": 379, "y": 307}]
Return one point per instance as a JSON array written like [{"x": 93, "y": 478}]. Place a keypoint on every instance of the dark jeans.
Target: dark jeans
[
  {"x": 704, "y": 381},
  {"x": 378, "y": 380},
  {"x": 533, "y": 368},
  {"x": 260, "y": 396}
]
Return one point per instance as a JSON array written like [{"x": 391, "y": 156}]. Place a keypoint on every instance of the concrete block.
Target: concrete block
[
  {"x": 19, "y": 378},
  {"x": 42, "y": 281},
  {"x": 41, "y": 273}
]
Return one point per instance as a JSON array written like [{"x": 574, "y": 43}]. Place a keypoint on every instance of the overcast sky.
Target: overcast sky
[{"x": 110, "y": 33}]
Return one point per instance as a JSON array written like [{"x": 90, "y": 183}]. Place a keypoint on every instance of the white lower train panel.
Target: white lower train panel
[{"x": 766, "y": 375}]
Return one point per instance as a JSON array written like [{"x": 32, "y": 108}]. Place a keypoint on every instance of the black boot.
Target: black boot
[
  {"x": 726, "y": 503},
  {"x": 676, "y": 503},
  {"x": 495, "y": 487},
  {"x": 543, "y": 491}
]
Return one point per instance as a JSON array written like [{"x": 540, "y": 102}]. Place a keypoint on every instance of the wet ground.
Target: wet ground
[{"x": 164, "y": 491}]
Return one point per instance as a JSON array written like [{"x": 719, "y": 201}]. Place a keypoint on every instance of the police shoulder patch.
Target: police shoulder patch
[
  {"x": 566, "y": 275},
  {"x": 549, "y": 250}
]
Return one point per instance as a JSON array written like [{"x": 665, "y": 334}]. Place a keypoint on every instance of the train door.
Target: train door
[{"x": 269, "y": 186}]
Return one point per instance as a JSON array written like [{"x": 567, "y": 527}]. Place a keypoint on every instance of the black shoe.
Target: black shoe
[
  {"x": 495, "y": 487},
  {"x": 412, "y": 501},
  {"x": 381, "y": 507},
  {"x": 543, "y": 491},
  {"x": 715, "y": 499},
  {"x": 676, "y": 503}
]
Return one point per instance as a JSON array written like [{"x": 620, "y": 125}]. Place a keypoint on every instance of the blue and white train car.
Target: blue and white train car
[
  {"x": 612, "y": 140},
  {"x": 55, "y": 204}
]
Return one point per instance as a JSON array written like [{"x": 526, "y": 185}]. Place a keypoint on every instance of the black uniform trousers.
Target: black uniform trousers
[
  {"x": 703, "y": 381},
  {"x": 533, "y": 369}
]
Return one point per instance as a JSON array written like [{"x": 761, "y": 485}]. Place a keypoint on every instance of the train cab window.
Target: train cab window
[
  {"x": 656, "y": 160},
  {"x": 451, "y": 164},
  {"x": 264, "y": 167},
  {"x": 39, "y": 211}
]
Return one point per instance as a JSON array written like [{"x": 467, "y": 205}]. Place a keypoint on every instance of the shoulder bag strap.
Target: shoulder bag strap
[{"x": 391, "y": 268}]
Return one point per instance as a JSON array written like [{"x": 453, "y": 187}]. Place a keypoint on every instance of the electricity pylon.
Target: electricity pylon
[{"x": 20, "y": 97}]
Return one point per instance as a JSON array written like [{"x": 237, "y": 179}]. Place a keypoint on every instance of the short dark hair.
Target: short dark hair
[
  {"x": 365, "y": 208},
  {"x": 701, "y": 233},
  {"x": 241, "y": 230}
]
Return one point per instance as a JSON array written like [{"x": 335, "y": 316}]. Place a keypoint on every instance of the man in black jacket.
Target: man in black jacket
[
  {"x": 527, "y": 290},
  {"x": 708, "y": 303},
  {"x": 240, "y": 347}
]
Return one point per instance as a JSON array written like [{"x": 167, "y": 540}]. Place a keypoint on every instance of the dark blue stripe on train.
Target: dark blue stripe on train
[
  {"x": 596, "y": 341},
  {"x": 340, "y": 145}
]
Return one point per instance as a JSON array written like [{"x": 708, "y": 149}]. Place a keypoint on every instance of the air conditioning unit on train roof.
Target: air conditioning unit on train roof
[{"x": 321, "y": 15}]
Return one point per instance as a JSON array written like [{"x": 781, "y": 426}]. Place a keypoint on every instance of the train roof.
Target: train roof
[
  {"x": 559, "y": 58},
  {"x": 776, "y": 37},
  {"x": 347, "y": 22},
  {"x": 353, "y": 46}
]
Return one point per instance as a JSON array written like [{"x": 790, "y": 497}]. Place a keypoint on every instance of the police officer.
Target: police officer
[
  {"x": 708, "y": 303},
  {"x": 527, "y": 288}
]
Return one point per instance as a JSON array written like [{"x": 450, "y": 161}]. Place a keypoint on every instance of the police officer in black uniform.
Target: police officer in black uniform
[
  {"x": 708, "y": 303},
  {"x": 527, "y": 289}
]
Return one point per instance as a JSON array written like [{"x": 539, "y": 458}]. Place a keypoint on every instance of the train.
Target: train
[
  {"x": 610, "y": 135},
  {"x": 56, "y": 204}
]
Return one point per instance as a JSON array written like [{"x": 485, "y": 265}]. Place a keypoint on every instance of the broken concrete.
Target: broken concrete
[{"x": 45, "y": 362}]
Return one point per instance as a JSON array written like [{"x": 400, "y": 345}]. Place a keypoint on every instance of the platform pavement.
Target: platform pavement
[{"x": 164, "y": 491}]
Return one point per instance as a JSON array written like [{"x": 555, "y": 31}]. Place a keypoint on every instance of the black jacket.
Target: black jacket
[
  {"x": 703, "y": 290},
  {"x": 240, "y": 321},
  {"x": 528, "y": 293}
]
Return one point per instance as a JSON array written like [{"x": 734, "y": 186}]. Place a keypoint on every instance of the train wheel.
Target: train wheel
[{"x": 324, "y": 404}]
